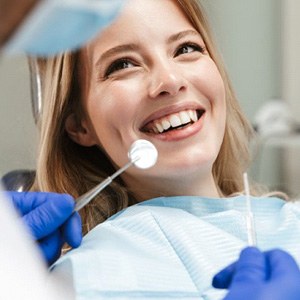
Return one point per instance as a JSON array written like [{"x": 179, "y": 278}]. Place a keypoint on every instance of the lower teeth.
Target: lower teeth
[{"x": 179, "y": 127}]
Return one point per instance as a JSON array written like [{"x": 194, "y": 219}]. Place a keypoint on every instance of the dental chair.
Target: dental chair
[
  {"x": 18, "y": 180},
  {"x": 21, "y": 180}
]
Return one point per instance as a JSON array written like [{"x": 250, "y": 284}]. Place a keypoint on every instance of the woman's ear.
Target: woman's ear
[{"x": 80, "y": 132}]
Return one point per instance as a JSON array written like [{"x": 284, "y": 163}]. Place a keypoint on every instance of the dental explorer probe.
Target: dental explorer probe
[
  {"x": 249, "y": 215},
  {"x": 142, "y": 154}
]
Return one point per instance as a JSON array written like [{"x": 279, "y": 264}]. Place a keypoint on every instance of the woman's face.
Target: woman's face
[{"x": 149, "y": 76}]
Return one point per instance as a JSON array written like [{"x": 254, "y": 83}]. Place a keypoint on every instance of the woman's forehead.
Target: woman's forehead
[{"x": 140, "y": 20}]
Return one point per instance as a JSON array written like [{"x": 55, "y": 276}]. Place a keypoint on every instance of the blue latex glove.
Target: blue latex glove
[
  {"x": 50, "y": 219},
  {"x": 261, "y": 276}
]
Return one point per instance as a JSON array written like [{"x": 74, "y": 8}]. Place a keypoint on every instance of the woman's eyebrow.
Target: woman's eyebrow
[
  {"x": 134, "y": 47},
  {"x": 116, "y": 50},
  {"x": 177, "y": 36}
]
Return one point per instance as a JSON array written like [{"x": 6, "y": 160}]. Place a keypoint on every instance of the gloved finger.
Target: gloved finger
[
  {"x": 27, "y": 201},
  {"x": 49, "y": 216},
  {"x": 282, "y": 265},
  {"x": 24, "y": 202},
  {"x": 223, "y": 279},
  {"x": 51, "y": 247},
  {"x": 250, "y": 269},
  {"x": 72, "y": 230}
]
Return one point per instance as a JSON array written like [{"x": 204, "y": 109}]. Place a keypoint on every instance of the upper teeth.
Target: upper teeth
[{"x": 173, "y": 120}]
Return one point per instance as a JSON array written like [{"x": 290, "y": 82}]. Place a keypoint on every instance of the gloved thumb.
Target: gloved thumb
[
  {"x": 250, "y": 269},
  {"x": 222, "y": 280}
]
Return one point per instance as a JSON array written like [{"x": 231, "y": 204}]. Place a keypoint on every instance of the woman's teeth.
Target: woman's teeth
[{"x": 173, "y": 121}]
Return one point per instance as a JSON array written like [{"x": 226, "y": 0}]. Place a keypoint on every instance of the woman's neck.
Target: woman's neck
[{"x": 204, "y": 186}]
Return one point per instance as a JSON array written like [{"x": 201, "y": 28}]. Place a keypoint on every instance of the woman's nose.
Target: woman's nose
[{"x": 166, "y": 79}]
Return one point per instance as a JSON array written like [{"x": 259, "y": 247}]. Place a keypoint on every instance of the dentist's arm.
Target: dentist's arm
[
  {"x": 261, "y": 276},
  {"x": 50, "y": 219}
]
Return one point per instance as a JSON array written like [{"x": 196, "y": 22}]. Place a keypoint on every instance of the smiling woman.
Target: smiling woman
[
  {"x": 159, "y": 79},
  {"x": 167, "y": 86},
  {"x": 161, "y": 74}
]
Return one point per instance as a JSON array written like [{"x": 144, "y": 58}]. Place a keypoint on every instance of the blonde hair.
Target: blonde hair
[{"x": 66, "y": 167}]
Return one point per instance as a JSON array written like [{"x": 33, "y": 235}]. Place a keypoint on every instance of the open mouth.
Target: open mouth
[{"x": 176, "y": 121}]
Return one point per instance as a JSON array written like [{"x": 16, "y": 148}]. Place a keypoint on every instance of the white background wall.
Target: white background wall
[
  {"x": 291, "y": 85},
  {"x": 17, "y": 128}
]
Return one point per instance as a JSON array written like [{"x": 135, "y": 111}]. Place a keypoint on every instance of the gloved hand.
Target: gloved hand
[
  {"x": 50, "y": 219},
  {"x": 260, "y": 276}
]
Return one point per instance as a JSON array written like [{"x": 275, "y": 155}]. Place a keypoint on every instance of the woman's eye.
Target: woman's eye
[
  {"x": 119, "y": 65},
  {"x": 188, "y": 48}
]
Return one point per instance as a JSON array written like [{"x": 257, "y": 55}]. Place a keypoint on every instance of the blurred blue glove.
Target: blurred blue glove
[
  {"x": 272, "y": 275},
  {"x": 50, "y": 219}
]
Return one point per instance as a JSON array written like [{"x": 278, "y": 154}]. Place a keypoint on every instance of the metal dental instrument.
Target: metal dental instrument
[
  {"x": 142, "y": 154},
  {"x": 249, "y": 215}
]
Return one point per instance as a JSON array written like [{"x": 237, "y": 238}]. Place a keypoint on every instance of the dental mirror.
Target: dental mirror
[{"x": 142, "y": 154}]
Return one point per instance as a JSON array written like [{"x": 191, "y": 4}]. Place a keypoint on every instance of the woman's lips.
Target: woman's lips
[{"x": 174, "y": 121}]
